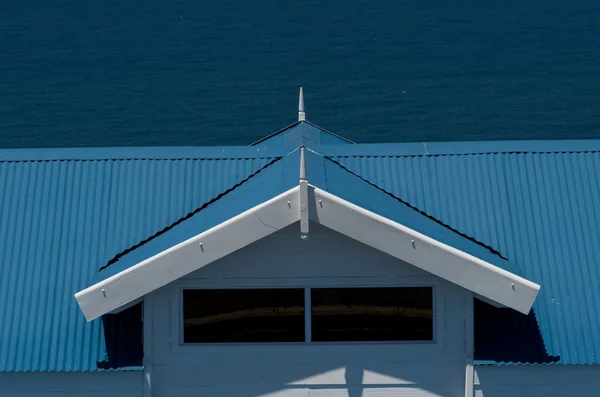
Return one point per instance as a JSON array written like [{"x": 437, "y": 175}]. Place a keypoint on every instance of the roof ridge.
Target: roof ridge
[
  {"x": 329, "y": 132},
  {"x": 295, "y": 123},
  {"x": 429, "y": 216},
  {"x": 483, "y": 153},
  {"x": 134, "y": 159},
  {"x": 432, "y": 149},
  {"x": 186, "y": 217},
  {"x": 136, "y": 153}
]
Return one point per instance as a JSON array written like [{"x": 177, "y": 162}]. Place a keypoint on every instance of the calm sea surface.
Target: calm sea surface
[{"x": 112, "y": 73}]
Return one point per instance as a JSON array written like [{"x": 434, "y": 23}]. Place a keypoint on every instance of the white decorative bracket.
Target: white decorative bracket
[{"x": 304, "y": 215}]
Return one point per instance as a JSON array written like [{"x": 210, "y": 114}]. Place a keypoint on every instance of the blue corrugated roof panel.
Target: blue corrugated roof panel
[
  {"x": 264, "y": 185},
  {"x": 62, "y": 219},
  {"x": 530, "y": 207},
  {"x": 537, "y": 206}
]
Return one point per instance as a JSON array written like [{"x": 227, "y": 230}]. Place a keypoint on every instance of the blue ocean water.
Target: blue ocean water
[{"x": 183, "y": 72}]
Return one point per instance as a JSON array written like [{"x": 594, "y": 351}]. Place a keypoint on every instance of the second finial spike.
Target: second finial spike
[{"x": 301, "y": 113}]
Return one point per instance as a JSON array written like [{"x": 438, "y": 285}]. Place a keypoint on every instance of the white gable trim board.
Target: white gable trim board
[
  {"x": 424, "y": 252},
  {"x": 330, "y": 211},
  {"x": 190, "y": 255}
]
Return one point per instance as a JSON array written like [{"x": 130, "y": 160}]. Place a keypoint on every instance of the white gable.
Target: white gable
[{"x": 326, "y": 254}]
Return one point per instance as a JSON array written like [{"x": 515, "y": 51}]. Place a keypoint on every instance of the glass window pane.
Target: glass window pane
[
  {"x": 372, "y": 314},
  {"x": 243, "y": 315}
]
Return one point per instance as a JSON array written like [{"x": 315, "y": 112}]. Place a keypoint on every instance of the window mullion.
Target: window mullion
[{"x": 307, "y": 316}]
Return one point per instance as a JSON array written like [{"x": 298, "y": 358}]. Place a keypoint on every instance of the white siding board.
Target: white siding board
[
  {"x": 537, "y": 380},
  {"x": 228, "y": 391},
  {"x": 59, "y": 393},
  {"x": 57, "y": 384},
  {"x": 332, "y": 373},
  {"x": 382, "y": 392},
  {"x": 325, "y": 254},
  {"x": 161, "y": 307},
  {"x": 414, "y": 354},
  {"x": 350, "y": 391},
  {"x": 327, "y": 258}
]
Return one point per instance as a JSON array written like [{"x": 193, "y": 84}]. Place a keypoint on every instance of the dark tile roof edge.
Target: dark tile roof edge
[
  {"x": 119, "y": 369},
  {"x": 424, "y": 149},
  {"x": 490, "y": 363},
  {"x": 138, "y": 153}
]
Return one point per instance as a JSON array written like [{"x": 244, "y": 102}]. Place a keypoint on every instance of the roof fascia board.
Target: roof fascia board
[
  {"x": 149, "y": 153},
  {"x": 190, "y": 255},
  {"x": 422, "y": 251},
  {"x": 457, "y": 148}
]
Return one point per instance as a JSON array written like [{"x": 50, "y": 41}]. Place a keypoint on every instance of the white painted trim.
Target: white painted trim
[
  {"x": 176, "y": 297},
  {"x": 304, "y": 282},
  {"x": 304, "y": 214},
  {"x": 469, "y": 345},
  {"x": 190, "y": 255},
  {"x": 148, "y": 326},
  {"x": 330, "y": 211},
  {"x": 469, "y": 376},
  {"x": 307, "y": 315},
  {"x": 423, "y": 252},
  {"x": 303, "y": 196}
]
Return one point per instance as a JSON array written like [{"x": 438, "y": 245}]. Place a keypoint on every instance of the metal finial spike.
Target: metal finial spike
[
  {"x": 302, "y": 165},
  {"x": 301, "y": 114}
]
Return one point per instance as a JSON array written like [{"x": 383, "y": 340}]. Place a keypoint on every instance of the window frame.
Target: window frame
[
  {"x": 177, "y": 329},
  {"x": 181, "y": 319},
  {"x": 308, "y": 331}
]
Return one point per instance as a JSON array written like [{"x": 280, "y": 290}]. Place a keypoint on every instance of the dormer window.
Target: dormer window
[
  {"x": 372, "y": 314},
  {"x": 243, "y": 315},
  {"x": 308, "y": 315}
]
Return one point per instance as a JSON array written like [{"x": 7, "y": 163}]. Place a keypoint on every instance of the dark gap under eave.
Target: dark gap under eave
[
  {"x": 123, "y": 335},
  {"x": 505, "y": 335}
]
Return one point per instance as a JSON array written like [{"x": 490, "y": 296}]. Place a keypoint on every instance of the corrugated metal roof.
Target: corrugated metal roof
[
  {"x": 538, "y": 208},
  {"x": 65, "y": 213},
  {"x": 61, "y": 220},
  {"x": 264, "y": 185}
]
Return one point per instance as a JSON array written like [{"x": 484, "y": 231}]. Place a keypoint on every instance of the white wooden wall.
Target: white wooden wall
[
  {"x": 72, "y": 384},
  {"x": 327, "y": 258},
  {"x": 538, "y": 381},
  {"x": 353, "y": 370}
]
